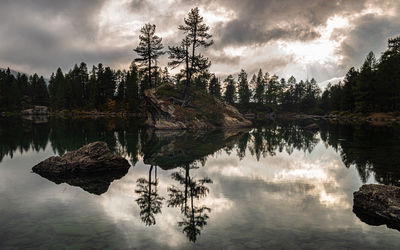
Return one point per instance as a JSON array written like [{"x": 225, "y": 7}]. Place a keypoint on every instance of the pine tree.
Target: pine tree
[
  {"x": 299, "y": 93},
  {"x": 92, "y": 88},
  {"x": 201, "y": 81},
  {"x": 283, "y": 83},
  {"x": 120, "y": 79},
  {"x": 23, "y": 84},
  {"x": 149, "y": 49},
  {"x": 180, "y": 55},
  {"x": 132, "y": 88},
  {"x": 253, "y": 86},
  {"x": 230, "y": 92},
  {"x": 74, "y": 81},
  {"x": 244, "y": 91},
  {"x": 83, "y": 79},
  {"x": 260, "y": 88},
  {"x": 364, "y": 91},
  {"x": 350, "y": 81},
  {"x": 109, "y": 83},
  {"x": 196, "y": 36},
  {"x": 215, "y": 87},
  {"x": 312, "y": 92},
  {"x": 273, "y": 91},
  {"x": 43, "y": 94},
  {"x": 388, "y": 73},
  {"x": 165, "y": 76},
  {"x": 292, "y": 81}
]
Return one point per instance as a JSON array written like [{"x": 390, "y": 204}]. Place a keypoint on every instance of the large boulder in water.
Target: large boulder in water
[
  {"x": 92, "y": 167},
  {"x": 378, "y": 204}
]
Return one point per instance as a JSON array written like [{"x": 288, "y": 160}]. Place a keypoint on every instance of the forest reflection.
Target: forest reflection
[{"x": 373, "y": 151}]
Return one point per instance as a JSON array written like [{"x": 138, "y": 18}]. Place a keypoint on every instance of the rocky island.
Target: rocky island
[{"x": 164, "y": 110}]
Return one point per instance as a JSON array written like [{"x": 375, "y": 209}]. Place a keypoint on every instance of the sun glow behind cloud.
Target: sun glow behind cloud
[
  {"x": 320, "y": 58},
  {"x": 321, "y": 50}
]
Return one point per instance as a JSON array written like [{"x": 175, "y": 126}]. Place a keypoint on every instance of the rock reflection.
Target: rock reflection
[{"x": 95, "y": 184}]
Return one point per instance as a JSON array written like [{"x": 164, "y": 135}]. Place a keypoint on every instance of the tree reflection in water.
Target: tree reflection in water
[
  {"x": 373, "y": 151},
  {"x": 149, "y": 201},
  {"x": 183, "y": 196}
]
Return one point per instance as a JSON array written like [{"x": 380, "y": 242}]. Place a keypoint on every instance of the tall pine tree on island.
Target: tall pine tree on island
[
  {"x": 196, "y": 36},
  {"x": 149, "y": 50}
]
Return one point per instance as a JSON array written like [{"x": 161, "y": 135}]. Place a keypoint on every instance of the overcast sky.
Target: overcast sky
[{"x": 304, "y": 38}]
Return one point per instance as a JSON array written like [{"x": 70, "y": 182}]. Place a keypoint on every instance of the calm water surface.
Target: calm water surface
[{"x": 275, "y": 186}]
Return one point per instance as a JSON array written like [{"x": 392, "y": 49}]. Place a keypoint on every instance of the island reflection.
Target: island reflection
[{"x": 373, "y": 151}]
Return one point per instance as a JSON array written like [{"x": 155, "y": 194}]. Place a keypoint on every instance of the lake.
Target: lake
[{"x": 278, "y": 185}]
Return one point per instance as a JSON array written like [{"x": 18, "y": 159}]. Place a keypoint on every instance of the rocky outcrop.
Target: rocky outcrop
[
  {"x": 92, "y": 167},
  {"x": 232, "y": 117},
  {"x": 207, "y": 112},
  {"x": 378, "y": 204}
]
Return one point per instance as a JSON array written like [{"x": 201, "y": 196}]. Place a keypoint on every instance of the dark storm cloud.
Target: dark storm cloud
[
  {"x": 223, "y": 58},
  {"x": 238, "y": 32},
  {"x": 260, "y": 21},
  {"x": 370, "y": 34},
  {"x": 40, "y": 35},
  {"x": 77, "y": 16}
]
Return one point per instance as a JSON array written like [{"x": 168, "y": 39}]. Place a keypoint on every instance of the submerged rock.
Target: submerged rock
[
  {"x": 92, "y": 167},
  {"x": 378, "y": 204}
]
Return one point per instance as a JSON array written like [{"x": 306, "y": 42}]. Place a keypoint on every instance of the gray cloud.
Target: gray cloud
[
  {"x": 223, "y": 58},
  {"x": 261, "y": 21},
  {"x": 41, "y": 35},
  {"x": 369, "y": 34}
]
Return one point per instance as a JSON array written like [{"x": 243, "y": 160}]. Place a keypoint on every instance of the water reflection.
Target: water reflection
[
  {"x": 182, "y": 196},
  {"x": 94, "y": 183},
  {"x": 224, "y": 182},
  {"x": 372, "y": 150},
  {"x": 169, "y": 150},
  {"x": 149, "y": 201}
]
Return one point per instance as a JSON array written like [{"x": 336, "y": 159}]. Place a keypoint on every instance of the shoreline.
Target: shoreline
[{"x": 374, "y": 119}]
